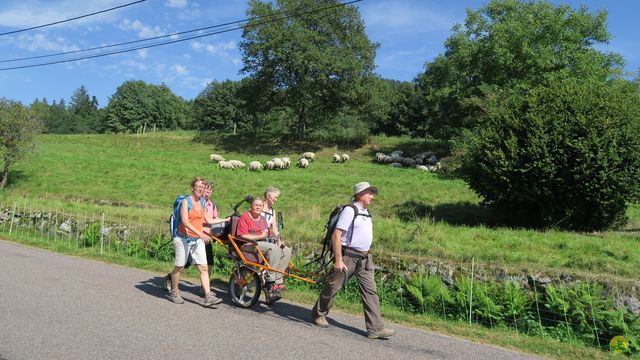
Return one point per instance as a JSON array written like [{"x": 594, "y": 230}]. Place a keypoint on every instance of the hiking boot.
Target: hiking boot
[
  {"x": 383, "y": 333},
  {"x": 166, "y": 282},
  {"x": 321, "y": 321},
  {"x": 279, "y": 287},
  {"x": 211, "y": 299},
  {"x": 174, "y": 295}
]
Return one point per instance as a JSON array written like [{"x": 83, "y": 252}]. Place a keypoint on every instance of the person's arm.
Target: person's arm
[
  {"x": 336, "y": 242},
  {"x": 184, "y": 218},
  {"x": 213, "y": 218}
]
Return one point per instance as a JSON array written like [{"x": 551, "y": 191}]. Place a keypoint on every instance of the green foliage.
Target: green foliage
[
  {"x": 429, "y": 294},
  {"x": 91, "y": 235},
  {"x": 137, "y": 105},
  {"x": 313, "y": 63},
  {"x": 18, "y": 126},
  {"x": 134, "y": 247},
  {"x": 219, "y": 107},
  {"x": 511, "y": 44},
  {"x": 344, "y": 131},
  {"x": 566, "y": 154},
  {"x": 515, "y": 303}
]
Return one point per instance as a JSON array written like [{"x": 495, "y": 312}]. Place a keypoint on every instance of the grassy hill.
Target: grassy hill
[{"x": 419, "y": 216}]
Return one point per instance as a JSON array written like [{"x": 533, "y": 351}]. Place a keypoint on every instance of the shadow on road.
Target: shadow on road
[{"x": 281, "y": 309}]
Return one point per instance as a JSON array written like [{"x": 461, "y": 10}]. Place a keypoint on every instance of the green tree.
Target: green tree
[
  {"x": 136, "y": 106},
  {"x": 564, "y": 154},
  {"x": 510, "y": 43},
  {"x": 18, "y": 126},
  {"x": 313, "y": 62},
  {"x": 84, "y": 111},
  {"x": 218, "y": 107}
]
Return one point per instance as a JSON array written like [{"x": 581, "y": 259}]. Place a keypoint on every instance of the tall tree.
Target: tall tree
[
  {"x": 511, "y": 43},
  {"x": 18, "y": 126},
  {"x": 84, "y": 111},
  {"x": 137, "y": 105},
  {"x": 218, "y": 107},
  {"x": 313, "y": 61}
]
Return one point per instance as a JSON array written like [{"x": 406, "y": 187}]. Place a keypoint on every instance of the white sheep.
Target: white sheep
[
  {"x": 237, "y": 164},
  {"x": 215, "y": 158},
  {"x": 303, "y": 163},
  {"x": 335, "y": 158},
  {"x": 269, "y": 165},
  {"x": 309, "y": 156},
  {"x": 276, "y": 159},
  {"x": 422, "y": 168},
  {"x": 225, "y": 165},
  {"x": 278, "y": 164},
  {"x": 380, "y": 157},
  {"x": 254, "y": 166},
  {"x": 287, "y": 162},
  {"x": 344, "y": 158}
]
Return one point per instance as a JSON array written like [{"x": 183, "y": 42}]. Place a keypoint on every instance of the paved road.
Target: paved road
[{"x": 60, "y": 307}]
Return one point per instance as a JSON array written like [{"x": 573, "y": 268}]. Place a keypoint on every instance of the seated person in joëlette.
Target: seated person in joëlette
[{"x": 252, "y": 226}]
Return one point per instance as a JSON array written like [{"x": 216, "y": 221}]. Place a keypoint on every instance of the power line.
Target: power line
[
  {"x": 74, "y": 18},
  {"x": 184, "y": 39}
]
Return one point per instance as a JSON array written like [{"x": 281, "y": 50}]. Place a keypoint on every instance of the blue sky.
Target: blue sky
[{"x": 410, "y": 33}]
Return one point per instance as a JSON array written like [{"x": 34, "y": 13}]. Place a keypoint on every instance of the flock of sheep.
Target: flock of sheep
[
  {"x": 425, "y": 161},
  {"x": 282, "y": 163}
]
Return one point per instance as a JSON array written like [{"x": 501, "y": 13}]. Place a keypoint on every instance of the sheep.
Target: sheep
[
  {"x": 276, "y": 159},
  {"x": 418, "y": 160},
  {"x": 388, "y": 159},
  {"x": 254, "y": 166},
  {"x": 380, "y": 157},
  {"x": 269, "y": 165},
  {"x": 225, "y": 165},
  {"x": 344, "y": 158},
  {"x": 397, "y": 152},
  {"x": 431, "y": 160},
  {"x": 335, "y": 158},
  {"x": 303, "y": 163},
  {"x": 278, "y": 164},
  {"x": 309, "y": 156},
  {"x": 396, "y": 164},
  {"x": 422, "y": 168},
  {"x": 287, "y": 162},
  {"x": 408, "y": 162},
  {"x": 237, "y": 164},
  {"x": 215, "y": 158},
  {"x": 435, "y": 167}
]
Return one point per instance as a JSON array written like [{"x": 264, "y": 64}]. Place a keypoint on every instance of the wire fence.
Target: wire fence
[{"x": 574, "y": 312}]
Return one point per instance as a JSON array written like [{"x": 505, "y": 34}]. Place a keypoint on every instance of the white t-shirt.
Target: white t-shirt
[
  {"x": 268, "y": 215},
  {"x": 362, "y": 228}
]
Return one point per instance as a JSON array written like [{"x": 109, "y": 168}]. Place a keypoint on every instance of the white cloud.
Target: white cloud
[
  {"x": 404, "y": 16},
  {"x": 181, "y": 70},
  {"x": 39, "y": 42},
  {"x": 144, "y": 31},
  {"x": 21, "y": 14},
  {"x": 176, "y": 3},
  {"x": 216, "y": 49},
  {"x": 142, "y": 53}
]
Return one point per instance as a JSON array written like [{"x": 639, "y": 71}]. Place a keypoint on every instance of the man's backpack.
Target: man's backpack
[
  {"x": 333, "y": 221},
  {"x": 174, "y": 219}
]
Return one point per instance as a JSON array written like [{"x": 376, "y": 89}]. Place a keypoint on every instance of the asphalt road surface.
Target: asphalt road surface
[{"x": 60, "y": 307}]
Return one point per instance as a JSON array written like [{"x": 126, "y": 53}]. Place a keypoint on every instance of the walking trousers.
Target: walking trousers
[{"x": 362, "y": 269}]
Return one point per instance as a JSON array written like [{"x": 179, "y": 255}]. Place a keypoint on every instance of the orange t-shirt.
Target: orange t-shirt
[{"x": 196, "y": 219}]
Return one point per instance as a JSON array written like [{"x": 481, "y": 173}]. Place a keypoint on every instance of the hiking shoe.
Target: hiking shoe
[
  {"x": 211, "y": 299},
  {"x": 279, "y": 287},
  {"x": 174, "y": 295},
  {"x": 321, "y": 321},
  {"x": 166, "y": 282},
  {"x": 384, "y": 333}
]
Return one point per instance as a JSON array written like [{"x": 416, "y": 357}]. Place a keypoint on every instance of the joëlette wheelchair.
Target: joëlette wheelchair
[{"x": 247, "y": 280}]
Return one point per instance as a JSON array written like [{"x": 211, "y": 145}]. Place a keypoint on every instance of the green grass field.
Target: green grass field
[{"x": 418, "y": 216}]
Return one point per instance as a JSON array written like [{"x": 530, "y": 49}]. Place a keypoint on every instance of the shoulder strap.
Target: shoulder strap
[{"x": 355, "y": 215}]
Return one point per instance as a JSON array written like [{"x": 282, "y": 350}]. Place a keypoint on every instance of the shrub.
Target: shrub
[
  {"x": 91, "y": 235},
  {"x": 565, "y": 155}
]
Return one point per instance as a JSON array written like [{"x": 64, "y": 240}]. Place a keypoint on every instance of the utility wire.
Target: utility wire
[
  {"x": 74, "y": 18},
  {"x": 142, "y": 40},
  {"x": 184, "y": 39}
]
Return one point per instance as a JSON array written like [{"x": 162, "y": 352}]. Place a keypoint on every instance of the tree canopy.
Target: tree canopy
[{"x": 313, "y": 60}]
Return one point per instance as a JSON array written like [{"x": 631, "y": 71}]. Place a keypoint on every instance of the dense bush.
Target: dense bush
[{"x": 565, "y": 154}]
